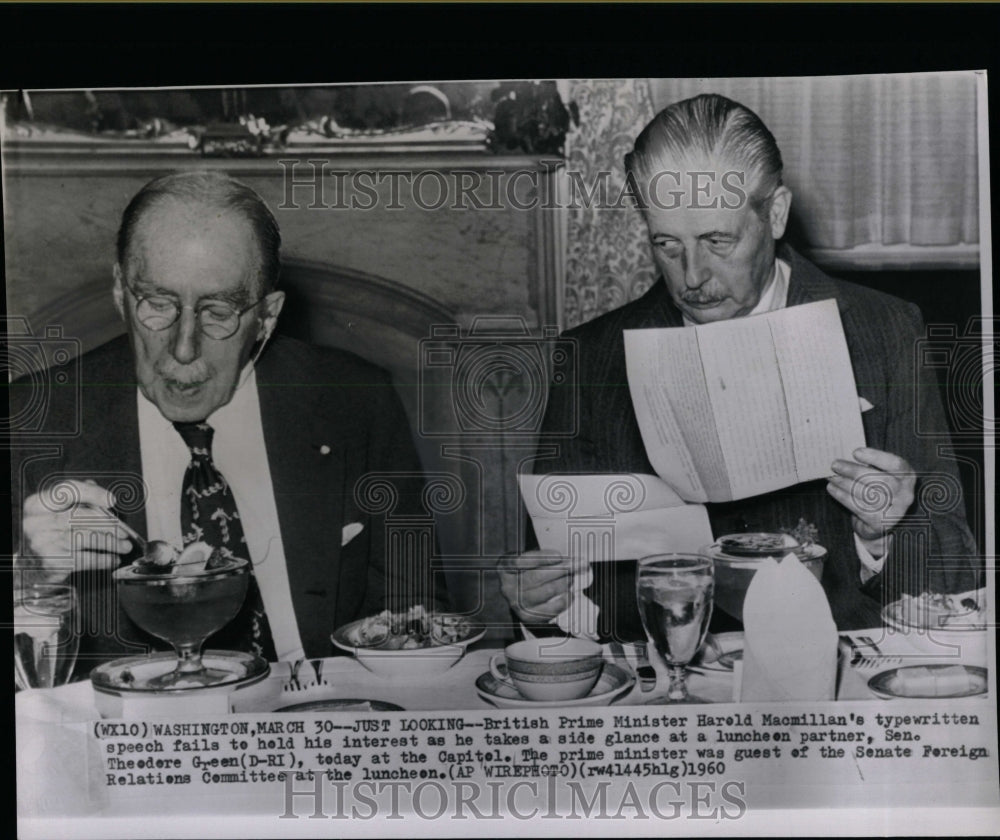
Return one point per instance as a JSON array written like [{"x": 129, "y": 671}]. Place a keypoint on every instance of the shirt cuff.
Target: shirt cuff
[
  {"x": 870, "y": 565},
  {"x": 580, "y": 617}
]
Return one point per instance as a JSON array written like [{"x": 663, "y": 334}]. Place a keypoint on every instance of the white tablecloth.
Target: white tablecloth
[{"x": 59, "y": 770}]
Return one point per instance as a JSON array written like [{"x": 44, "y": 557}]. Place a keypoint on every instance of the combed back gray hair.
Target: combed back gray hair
[
  {"x": 712, "y": 126},
  {"x": 215, "y": 191}
]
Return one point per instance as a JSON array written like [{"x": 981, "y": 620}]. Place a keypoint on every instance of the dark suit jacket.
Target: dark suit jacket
[
  {"x": 932, "y": 548},
  {"x": 328, "y": 417}
]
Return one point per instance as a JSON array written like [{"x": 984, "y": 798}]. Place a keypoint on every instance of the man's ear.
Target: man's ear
[
  {"x": 781, "y": 203},
  {"x": 117, "y": 292},
  {"x": 272, "y": 309}
]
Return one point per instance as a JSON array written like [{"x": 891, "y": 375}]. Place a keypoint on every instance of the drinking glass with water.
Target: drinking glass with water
[
  {"x": 45, "y": 637},
  {"x": 675, "y": 592}
]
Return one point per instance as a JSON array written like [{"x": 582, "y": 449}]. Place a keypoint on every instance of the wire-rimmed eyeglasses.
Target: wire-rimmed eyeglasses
[{"x": 216, "y": 318}]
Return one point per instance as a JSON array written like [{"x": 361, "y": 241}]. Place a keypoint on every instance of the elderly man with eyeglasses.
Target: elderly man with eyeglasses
[{"x": 291, "y": 430}]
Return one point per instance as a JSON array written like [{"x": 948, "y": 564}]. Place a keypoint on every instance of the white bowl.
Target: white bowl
[
  {"x": 733, "y": 573},
  {"x": 411, "y": 663}
]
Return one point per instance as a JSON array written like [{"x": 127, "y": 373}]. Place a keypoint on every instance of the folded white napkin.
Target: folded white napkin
[
  {"x": 59, "y": 766},
  {"x": 790, "y": 639}
]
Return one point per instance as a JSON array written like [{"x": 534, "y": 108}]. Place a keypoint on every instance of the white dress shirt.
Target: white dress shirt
[{"x": 239, "y": 453}]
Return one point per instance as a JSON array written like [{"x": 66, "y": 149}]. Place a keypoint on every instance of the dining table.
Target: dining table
[{"x": 59, "y": 771}]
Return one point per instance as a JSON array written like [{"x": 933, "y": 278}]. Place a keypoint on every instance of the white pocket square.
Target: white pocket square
[{"x": 351, "y": 530}]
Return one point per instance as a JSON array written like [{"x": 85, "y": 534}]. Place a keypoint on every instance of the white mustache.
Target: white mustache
[{"x": 185, "y": 375}]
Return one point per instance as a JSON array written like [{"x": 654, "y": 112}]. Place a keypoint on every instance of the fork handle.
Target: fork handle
[
  {"x": 856, "y": 654},
  {"x": 128, "y": 529},
  {"x": 868, "y": 640}
]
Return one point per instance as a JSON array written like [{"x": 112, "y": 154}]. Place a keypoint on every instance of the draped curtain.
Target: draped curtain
[{"x": 871, "y": 161}]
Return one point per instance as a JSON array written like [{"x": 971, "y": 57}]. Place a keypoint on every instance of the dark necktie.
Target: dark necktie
[{"x": 209, "y": 515}]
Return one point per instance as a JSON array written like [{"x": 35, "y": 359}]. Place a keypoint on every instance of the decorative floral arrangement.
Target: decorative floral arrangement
[
  {"x": 530, "y": 117},
  {"x": 805, "y": 532},
  {"x": 249, "y": 137}
]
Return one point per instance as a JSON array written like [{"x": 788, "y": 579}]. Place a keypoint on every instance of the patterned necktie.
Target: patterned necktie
[{"x": 209, "y": 514}]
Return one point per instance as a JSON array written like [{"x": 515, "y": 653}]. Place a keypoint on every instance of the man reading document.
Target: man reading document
[{"x": 708, "y": 175}]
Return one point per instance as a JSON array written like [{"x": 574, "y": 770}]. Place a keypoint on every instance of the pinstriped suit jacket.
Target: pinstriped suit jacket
[{"x": 933, "y": 547}]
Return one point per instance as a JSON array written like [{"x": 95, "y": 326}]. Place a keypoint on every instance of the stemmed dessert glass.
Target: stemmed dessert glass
[
  {"x": 184, "y": 608},
  {"x": 675, "y": 592}
]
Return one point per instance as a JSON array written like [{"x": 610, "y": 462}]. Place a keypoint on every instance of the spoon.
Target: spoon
[{"x": 150, "y": 548}]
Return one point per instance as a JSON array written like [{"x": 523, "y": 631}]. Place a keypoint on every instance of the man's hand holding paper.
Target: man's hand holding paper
[
  {"x": 584, "y": 519},
  {"x": 738, "y": 408},
  {"x": 536, "y": 584},
  {"x": 877, "y": 488}
]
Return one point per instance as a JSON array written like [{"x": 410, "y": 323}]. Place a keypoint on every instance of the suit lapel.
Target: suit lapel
[
  {"x": 659, "y": 310},
  {"x": 807, "y": 283},
  {"x": 110, "y": 433},
  {"x": 306, "y": 462}
]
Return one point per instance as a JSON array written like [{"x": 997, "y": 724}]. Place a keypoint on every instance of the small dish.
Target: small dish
[
  {"x": 133, "y": 674},
  {"x": 929, "y": 682},
  {"x": 406, "y": 663},
  {"x": 972, "y": 621},
  {"x": 613, "y": 682},
  {"x": 733, "y": 573},
  {"x": 118, "y": 683},
  {"x": 758, "y": 544}
]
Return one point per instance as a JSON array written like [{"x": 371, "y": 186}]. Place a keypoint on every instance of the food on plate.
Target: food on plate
[
  {"x": 758, "y": 544},
  {"x": 937, "y": 610},
  {"x": 414, "y": 628}
]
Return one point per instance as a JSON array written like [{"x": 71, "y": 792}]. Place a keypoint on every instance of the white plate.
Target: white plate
[
  {"x": 882, "y": 684},
  {"x": 408, "y": 663},
  {"x": 612, "y": 683},
  {"x": 342, "y": 637},
  {"x": 753, "y": 544},
  {"x": 731, "y": 647},
  {"x": 804, "y": 553},
  {"x": 892, "y": 616},
  {"x": 132, "y": 674}
]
